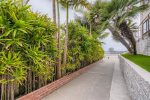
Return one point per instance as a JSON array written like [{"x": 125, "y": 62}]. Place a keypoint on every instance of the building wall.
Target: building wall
[
  {"x": 144, "y": 15},
  {"x": 143, "y": 46},
  {"x": 143, "y": 42}
]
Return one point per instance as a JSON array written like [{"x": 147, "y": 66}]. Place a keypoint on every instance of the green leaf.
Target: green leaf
[
  {"x": 24, "y": 31},
  {"x": 6, "y": 33},
  {"x": 14, "y": 33}
]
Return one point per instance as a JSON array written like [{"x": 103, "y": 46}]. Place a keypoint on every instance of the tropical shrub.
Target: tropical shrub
[
  {"x": 27, "y": 49},
  {"x": 82, "y": 48}
]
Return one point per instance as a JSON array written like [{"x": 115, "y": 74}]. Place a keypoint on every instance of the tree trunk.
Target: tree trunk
[
  {"x": 134, "y": 44},
  {"x": 66, "y": 38},
  {"x": 5, "y": 92},
  {"x": 33, "y": 81},
  {"x": 126, "y": 32},
  {"x": 54, "y": 11},
  {"x": 39, "y": 82},
  {"x": 2, "y": 90},
  {"x": 90, "y": 29},
  {"x": 121, "y": 39},
  {"x": 8, "y": 89},
  {"x": 26, "y": 85},
  {"x": 54, "y": 19},
  {"x": 58, "y": 45},
  {"x": 30, "y": 80},
  {"x": 12, "y": 91}
]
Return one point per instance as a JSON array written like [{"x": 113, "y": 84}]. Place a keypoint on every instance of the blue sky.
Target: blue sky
[{"x": 45, "y": 7}]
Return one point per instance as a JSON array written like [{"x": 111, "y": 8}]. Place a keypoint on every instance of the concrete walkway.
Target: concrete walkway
[{"x": 102, "y": 82}]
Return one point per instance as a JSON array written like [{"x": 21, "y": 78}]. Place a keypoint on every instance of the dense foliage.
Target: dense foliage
[
  {"x": 28, "y": 49},
  {"x": 83, "y": 49}
]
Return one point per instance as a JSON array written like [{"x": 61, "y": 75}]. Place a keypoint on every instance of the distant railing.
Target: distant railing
[{"x": 115, "y": 52}]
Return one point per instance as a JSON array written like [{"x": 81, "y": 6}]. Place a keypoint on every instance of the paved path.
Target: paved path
[{"x": 98, "y": 83}]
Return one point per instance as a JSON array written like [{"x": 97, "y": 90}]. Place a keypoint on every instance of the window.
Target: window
[
  {"x": 149, "y": 24},
  {"x": 146, "y": 26}
]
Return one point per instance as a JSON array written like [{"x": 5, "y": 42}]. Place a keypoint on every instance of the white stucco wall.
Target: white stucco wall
[{"x": 143, "y": 44}]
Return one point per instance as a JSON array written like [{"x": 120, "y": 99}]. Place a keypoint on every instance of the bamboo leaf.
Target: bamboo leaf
[
  {"x": 6, "y": 33},
  {"x": 14, "y": 33}
]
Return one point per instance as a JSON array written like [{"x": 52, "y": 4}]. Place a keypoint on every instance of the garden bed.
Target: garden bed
[{"x": 141, "y": 60}]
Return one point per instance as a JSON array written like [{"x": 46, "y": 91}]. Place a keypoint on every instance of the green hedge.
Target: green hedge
[
  {"x": 83, "y": 49},
  {"x": 28, "y": 49}
]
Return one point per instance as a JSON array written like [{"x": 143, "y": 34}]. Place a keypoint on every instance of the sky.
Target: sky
[{"x": 45, "y": 7}]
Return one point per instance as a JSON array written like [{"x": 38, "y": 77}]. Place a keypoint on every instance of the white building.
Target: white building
[{"x": 143, "y": 42}]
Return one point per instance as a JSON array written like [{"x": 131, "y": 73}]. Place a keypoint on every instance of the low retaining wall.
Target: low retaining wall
[
  {"x": 46, "y": 90},
  {"x": 137, "y": 79}
]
